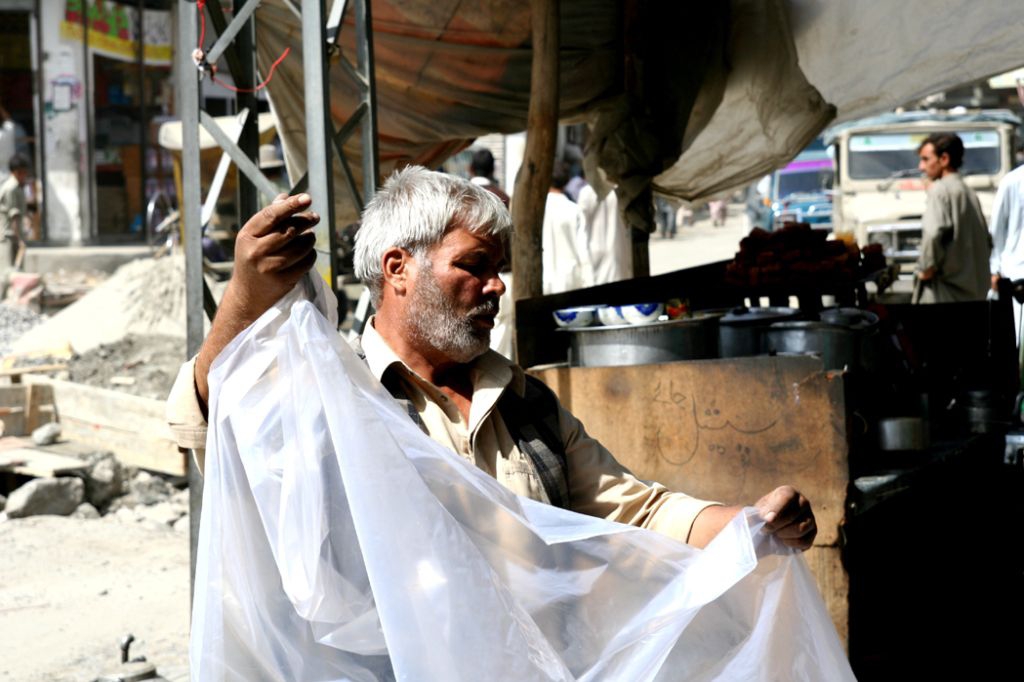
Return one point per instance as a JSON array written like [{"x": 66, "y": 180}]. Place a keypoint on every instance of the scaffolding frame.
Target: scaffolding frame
[{"x": 235, "y": 42}]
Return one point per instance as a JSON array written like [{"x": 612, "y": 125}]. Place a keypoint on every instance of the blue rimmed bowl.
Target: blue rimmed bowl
[
  {"x": 642, "y": 313},
  {"x": 571, "y": 318}
]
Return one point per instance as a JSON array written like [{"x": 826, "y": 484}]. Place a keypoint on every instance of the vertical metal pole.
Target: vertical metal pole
[
  {"x": 88, "y": 212},
  {"x": 368, "y": 129},
  {"x": 188, "y": 111},
  {"x": 249, "y": 141},
  {"x": 319, "y": 129},
  {"x": 39, "y": 119},
  {"x": 140, "y": 46}
]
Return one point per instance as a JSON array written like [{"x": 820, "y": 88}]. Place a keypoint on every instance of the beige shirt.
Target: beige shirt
[{"x": 598, "y": 484}]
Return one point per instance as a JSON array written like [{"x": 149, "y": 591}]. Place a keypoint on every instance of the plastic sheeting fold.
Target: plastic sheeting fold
[{"x": 338, "y": 542}]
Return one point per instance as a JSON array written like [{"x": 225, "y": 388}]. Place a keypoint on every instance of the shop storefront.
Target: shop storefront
[{"x": 90, "y": 84}]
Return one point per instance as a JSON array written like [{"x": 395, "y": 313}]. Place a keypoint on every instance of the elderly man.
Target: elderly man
[
  {"x": 955, "y": 245},
  {"x": 430, "y": 249}
]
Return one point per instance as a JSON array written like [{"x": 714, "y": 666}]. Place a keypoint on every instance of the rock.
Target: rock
[
  {"x": 162, "y": 513},
  {"x": 104, "y": 480},
  {"x": 3, "y": 502},
  {"x": 59, "y": 496},
  {"x": 47, "y": 434},
  {"x": 149, "y": 489},
  {"x": 182, "y": 525},
  {"x": 85, "y": 511},
  {"x": 126, "y": 515}
]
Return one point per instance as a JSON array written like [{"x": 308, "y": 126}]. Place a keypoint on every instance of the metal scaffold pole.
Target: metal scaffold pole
[
  {"x": 319, "y": 131},
  {"x": 189, "y": 205}
]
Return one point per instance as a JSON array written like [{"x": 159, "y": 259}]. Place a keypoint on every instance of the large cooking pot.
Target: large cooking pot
[
  {"x": 691, "y": 338},
  {"x": 741, "y": 330},
  {"x": 836, "y": 345},
  {"x": 902, "y": 434},
  {"x": 865, "y": 326}
]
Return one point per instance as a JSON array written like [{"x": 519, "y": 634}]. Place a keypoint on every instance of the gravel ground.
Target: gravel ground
[{"x": 15, "y": 321}]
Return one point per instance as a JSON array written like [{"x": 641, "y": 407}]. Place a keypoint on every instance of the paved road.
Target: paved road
[{"x": 702, "y": 243}]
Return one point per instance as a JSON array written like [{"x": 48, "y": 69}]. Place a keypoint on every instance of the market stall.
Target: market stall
[{"x": 870, "y": 409}]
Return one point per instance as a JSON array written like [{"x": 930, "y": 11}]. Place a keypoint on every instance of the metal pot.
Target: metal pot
[
  {"x": 987, "y": 411},
  {"x": 691, "y": 338},
  {"x": 865, "y": 325},
  {"x": 837, "y": 346},
  {"x": 741, "y": 330},
  {"x": 902, "y": 434}
]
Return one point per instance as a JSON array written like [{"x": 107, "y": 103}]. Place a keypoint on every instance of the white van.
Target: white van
[{"x": 879, "y": 192}]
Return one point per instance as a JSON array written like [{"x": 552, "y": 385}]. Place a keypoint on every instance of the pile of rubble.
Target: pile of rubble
[
  {"x": 143, "y": 297},
  {"x": 104, "y": 487}
]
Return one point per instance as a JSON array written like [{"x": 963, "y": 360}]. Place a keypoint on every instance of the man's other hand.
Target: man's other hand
[{"x": 788, "y": 516}]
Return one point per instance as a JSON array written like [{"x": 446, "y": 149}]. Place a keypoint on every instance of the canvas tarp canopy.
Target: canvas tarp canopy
[{"x": 688, "y": 99}]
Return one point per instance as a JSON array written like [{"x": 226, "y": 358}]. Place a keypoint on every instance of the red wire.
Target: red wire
[{"x": 201, "y": 6}]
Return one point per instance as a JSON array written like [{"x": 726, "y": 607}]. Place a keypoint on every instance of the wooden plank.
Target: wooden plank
[
  {"x": 31, "y": 369},
  {"x": 106, "y": 407},
  {"x": 33, "y": 462},
  {"x": 131, "y": 447},
  {"x": 12, "y": 410},
  {"x": 39, "y": 408}
]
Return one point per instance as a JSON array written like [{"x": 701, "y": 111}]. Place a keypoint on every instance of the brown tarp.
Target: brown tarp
[{"x": 690, "y": 98}]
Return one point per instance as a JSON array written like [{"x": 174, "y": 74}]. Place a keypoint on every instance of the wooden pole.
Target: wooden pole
[{"x": 534, "y": 178}]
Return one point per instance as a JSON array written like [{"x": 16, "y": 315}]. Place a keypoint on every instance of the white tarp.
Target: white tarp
[
  {"x": 338, "y": 542},
  {"x": 869, "y": 56}
]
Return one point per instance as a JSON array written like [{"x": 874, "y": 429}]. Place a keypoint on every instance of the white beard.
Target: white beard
[{"x": 436, "y": 323}]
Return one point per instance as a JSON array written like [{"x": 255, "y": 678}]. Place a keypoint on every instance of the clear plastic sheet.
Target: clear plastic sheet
[{"x": 338, "y": 542}]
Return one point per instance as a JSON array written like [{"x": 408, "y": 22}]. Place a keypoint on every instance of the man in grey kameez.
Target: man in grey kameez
[{"x": 955, "y": 244}]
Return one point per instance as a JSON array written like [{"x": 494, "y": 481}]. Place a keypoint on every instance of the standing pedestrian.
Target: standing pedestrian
[
  {"x": 1007, "y": 259},
  {"x": 609, "y": 242},
  {"x": 565, "y": 258},
  {"x": 13, "y": 211},
  {"x": 955, "y": 246}
]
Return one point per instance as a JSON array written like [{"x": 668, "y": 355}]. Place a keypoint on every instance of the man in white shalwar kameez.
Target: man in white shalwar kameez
[
  {"x": 565, "y": 258},
  {"x": 609, "y": 245}
]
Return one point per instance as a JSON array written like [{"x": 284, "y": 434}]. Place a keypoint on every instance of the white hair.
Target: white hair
[{"x": 414, "y": 210}]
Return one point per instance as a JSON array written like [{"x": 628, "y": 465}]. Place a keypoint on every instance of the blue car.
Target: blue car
[{"x": 800, "y": 192}]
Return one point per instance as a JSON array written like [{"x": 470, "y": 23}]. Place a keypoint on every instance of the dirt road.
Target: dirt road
[{"x": 71, "y": 588}]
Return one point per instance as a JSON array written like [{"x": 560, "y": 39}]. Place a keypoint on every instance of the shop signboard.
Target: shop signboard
[{"x": 114, "y": 30}]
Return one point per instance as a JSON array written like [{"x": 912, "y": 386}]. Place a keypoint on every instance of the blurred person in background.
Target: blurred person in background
[
  {"x": 955, "y": 246},
  {"x": 565, "y": 255},
  {"x": 13, "y": 212},
  {"x": 481, "y": 167}
]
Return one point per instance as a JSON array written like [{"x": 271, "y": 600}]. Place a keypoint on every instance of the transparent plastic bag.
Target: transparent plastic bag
[{"x": 338, "y": 542}]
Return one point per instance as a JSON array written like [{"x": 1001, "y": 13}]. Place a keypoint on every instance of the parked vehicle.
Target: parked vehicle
[
  {"x": 879, "y": 192},
  {"x": 800, "y": 192}
]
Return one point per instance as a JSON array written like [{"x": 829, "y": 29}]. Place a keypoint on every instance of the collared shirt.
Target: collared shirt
[
  {"x": 1007, "y": 225},
  {"x": 598, "y": 484}
]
